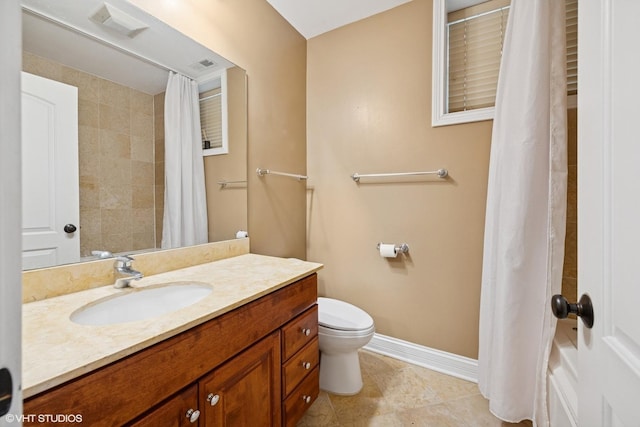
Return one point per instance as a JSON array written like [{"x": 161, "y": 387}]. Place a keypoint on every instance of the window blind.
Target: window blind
[
  {"x": 211, "y": 118},
  {"x": 475, "y": 48},
  {"x": 475, "y": 37},
  {"x": 572, "y": 46}
]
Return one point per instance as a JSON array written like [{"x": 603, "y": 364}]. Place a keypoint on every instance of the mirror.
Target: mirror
[
  {"x": 118, "y": 57},
  {"x": 467, "y": 46}
]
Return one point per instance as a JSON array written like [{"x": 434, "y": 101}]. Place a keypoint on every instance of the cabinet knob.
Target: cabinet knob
[
  {"x": 306, "y": 365},
  {"x": 306, "y": 331},
  {"x": 213, "y": 399},
  {"x": 307, "y": 399},
  {"x": 193, "y": 415}
]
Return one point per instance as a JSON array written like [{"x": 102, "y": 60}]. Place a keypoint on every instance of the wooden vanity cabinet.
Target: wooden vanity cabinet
[
  {"x": 178, "y": 411},
  {"x": 238, "y": 357},
  {"x": 300, "y": 359},
  {"x": 246, "y": 390}
]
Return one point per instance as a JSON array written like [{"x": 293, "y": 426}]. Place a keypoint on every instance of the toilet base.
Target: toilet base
[{"x": 340, "y": 373}]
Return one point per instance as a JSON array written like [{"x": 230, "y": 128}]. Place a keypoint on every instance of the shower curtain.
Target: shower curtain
[
  {"x": 185, "y": 210},
  {"x": 526, "y": 213}
]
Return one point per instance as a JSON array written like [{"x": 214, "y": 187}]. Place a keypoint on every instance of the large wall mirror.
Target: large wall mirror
[{"x": 99, "y": 71}]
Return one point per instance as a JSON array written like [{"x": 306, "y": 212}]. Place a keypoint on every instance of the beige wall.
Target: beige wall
[
  {"x": 254, "y": 36},
  {"x": 115, "y": 149},
  {"x": 227, "y": 205},
  {"x": 369, "y": 111}
]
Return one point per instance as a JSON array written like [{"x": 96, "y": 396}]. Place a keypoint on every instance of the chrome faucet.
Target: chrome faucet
[{"x": 123, "y": 267}]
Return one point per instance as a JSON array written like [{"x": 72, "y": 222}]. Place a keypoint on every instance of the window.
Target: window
[
  {"x": 475, "y": 38},
  {"x": 466, "y": 59},
  {"x": 211, "y": 118}
]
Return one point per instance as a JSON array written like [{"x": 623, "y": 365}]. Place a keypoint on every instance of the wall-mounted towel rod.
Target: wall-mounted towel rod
[
  {"x": 442, "y": 173},
  {"x": 263, "y": 172},
  {"x": 223, "y": 184}
]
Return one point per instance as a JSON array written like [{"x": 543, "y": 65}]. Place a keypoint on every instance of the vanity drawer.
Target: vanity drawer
[
  {"x": 296, "y": 368},
  {"x": 299, "y": 332},
  {"x": 301, "y": 398}
]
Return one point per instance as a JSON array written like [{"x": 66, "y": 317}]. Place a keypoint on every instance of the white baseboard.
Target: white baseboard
[{"x": 430, "y": 358}]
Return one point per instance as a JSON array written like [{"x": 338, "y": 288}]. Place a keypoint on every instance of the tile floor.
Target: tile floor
[{"x": 400, "y": 394}]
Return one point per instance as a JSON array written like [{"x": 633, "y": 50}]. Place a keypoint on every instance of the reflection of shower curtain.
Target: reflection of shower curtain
[
  {"x": 526, "y": 209},
  {"x": 185, "y": 209}
]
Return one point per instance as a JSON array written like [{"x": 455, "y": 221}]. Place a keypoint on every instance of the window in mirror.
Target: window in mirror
[
  {"x": 467, "y": 46},
  {"x": 211, "y": 118},
  {"x": 213, "y": 113}
]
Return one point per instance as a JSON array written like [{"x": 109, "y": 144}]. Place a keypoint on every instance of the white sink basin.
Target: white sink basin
[{"x": 140, "y": 304}]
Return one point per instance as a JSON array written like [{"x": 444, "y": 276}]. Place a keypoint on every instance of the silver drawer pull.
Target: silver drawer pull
[
  {"x": 307, "y": 399},
  {"x": 193, "y": 415},
  {"x": 306, "y": 365},
  {"x": 213, "y": 399},
  {"x": 306, "y": 331}
]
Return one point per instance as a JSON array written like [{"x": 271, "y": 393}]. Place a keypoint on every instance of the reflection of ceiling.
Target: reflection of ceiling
[
  {"x": 140, "y": 62},
  {"x": 314, "y": 17}
]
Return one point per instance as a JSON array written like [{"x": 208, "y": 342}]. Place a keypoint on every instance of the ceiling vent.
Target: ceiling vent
[
  {"x": 119, "y": 21},
  {"x": 202, "y": 65}
]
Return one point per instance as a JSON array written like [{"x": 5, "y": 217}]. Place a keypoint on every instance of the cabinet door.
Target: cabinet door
[
  {"x": 245, "y": 391},
  {"x": 179, "y": 411}
]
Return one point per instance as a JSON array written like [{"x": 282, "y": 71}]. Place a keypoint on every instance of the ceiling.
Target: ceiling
[
  {"x": 63, "y": 31},
  {"x": 314, "y": 17}
]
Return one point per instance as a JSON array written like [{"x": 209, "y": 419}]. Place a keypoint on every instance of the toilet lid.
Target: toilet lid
[{"x": 336, "y": 314}]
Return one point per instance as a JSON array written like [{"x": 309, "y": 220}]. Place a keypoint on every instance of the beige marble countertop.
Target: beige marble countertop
[{"x": 55, "y": 349}]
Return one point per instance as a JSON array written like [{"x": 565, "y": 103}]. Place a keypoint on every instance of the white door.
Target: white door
[
  {"x": 609, "y": 211},
  {"x": 10, "y": 275},
  {"x": 50, "y": 203}
]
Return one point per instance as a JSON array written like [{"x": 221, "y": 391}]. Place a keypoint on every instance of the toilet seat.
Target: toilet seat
[{"x": 342, "y": 316}]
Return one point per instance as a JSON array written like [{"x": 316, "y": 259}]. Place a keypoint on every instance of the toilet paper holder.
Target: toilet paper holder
[{"x": 401, "y": 248}]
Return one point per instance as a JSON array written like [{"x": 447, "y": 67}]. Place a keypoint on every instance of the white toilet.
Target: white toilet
[{"x": 342, "y": 329}]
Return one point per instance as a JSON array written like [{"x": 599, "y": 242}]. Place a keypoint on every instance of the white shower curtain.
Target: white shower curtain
[
  {"x": 526, "y": 213},
  {"x": 185, "y": 209}
]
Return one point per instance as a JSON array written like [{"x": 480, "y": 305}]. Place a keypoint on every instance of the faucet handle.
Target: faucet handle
[
  {"x": 102, "y": 254},
  {"x": 124, "y": 261}
]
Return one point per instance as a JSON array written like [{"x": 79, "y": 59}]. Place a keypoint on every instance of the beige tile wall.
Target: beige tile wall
[{"x": 116, "y": 159}]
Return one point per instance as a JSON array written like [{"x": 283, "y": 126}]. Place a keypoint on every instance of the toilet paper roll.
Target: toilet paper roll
[
  {"x": 241, "y": 234},
  {"x": 388, "y": 250}
]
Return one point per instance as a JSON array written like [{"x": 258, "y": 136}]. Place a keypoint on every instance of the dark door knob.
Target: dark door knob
[
  {"x": 6, "y": 388},
  {"x": 583, "y": 309},
  {"x": 70, "y": 228}
]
